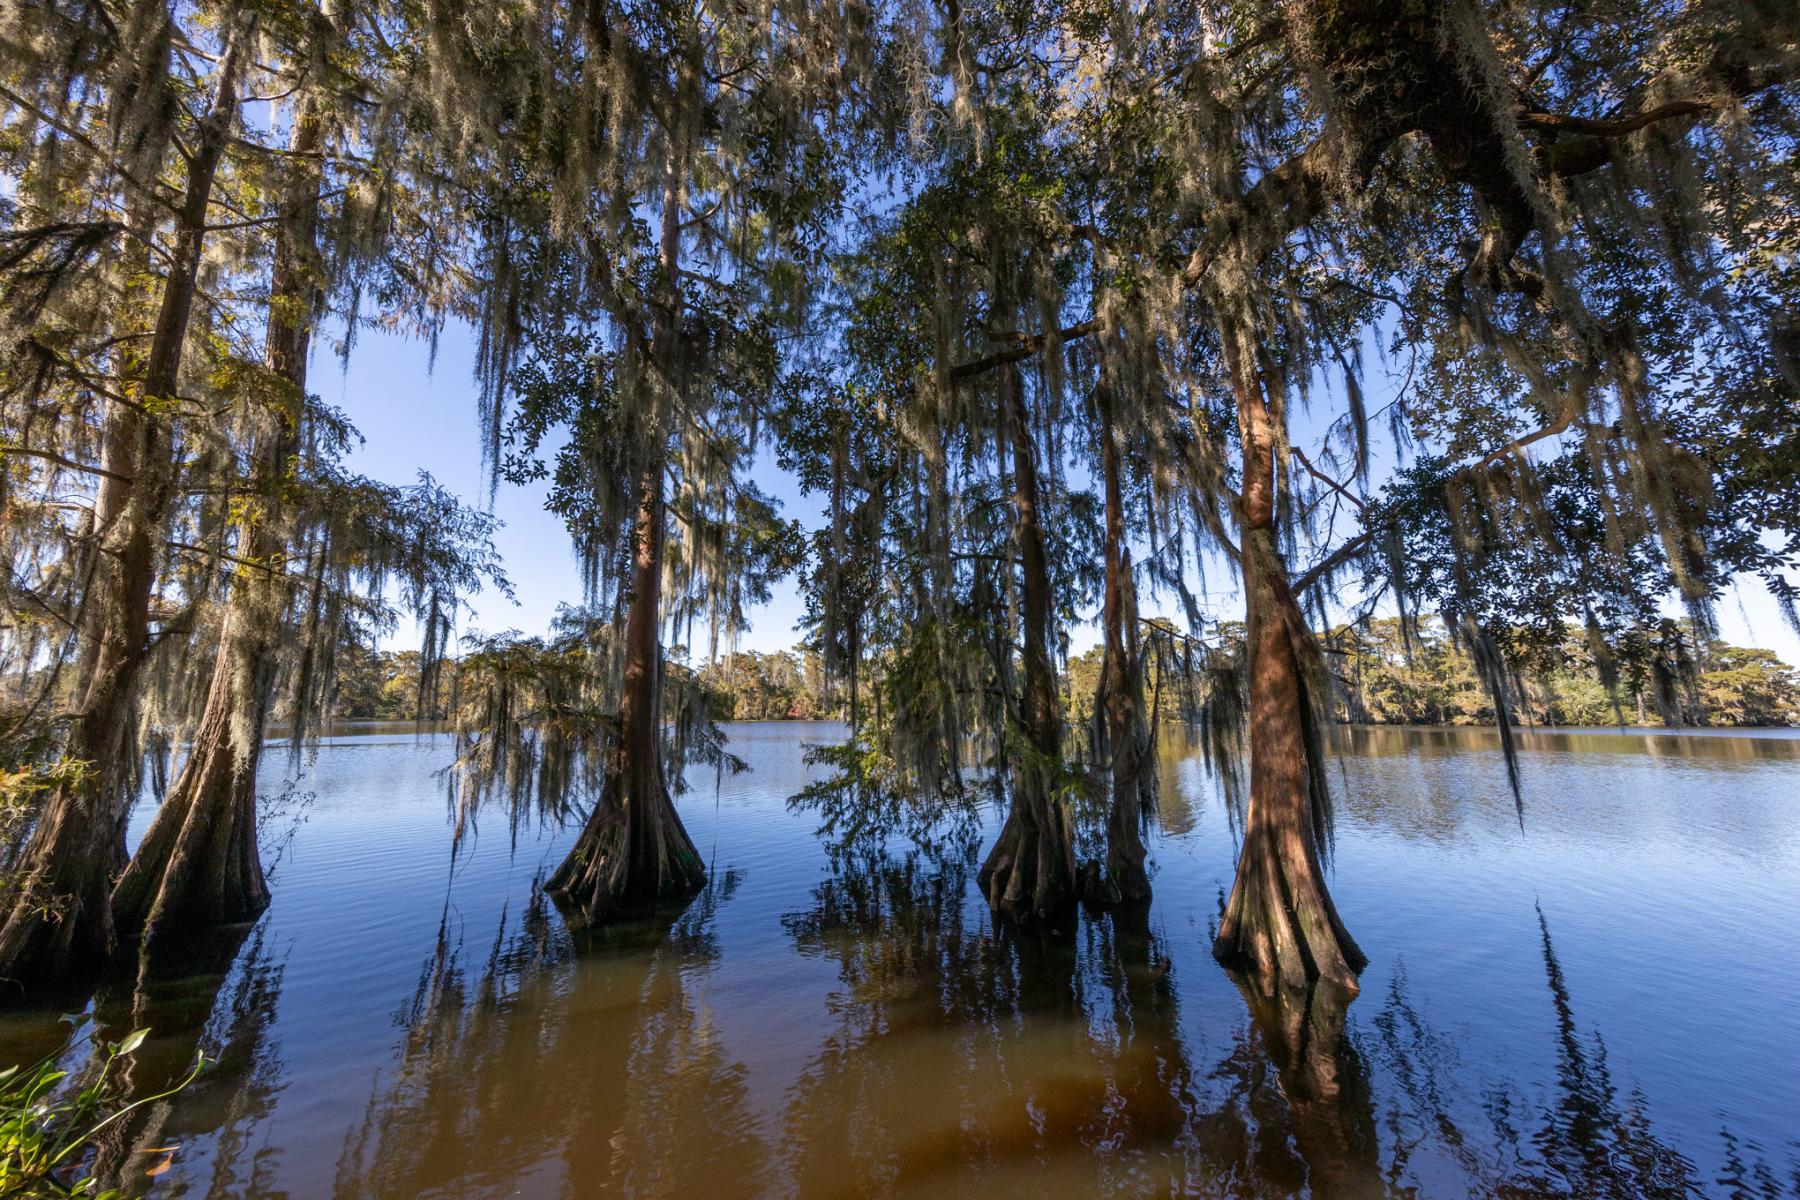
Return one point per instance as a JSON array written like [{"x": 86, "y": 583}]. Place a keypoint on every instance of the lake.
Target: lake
[{"x": 1596, "y": 996}]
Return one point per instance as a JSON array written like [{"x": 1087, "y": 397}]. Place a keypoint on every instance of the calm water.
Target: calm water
[{"x": 1602, "y": 1003}]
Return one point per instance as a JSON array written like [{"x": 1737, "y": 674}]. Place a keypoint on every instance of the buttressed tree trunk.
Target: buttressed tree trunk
[
  {"x": 56, "y": 917},
  {"x": 1122, "y": 879},
  {"x": 634, "y": 851},
  {"x": 1280, "y": 925},
  {"x": 1030, "y": 873},
  {"x": 199, "y": 863}
]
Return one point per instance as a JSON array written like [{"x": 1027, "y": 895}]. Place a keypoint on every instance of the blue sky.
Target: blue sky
[{"x": 414, "y": 416}]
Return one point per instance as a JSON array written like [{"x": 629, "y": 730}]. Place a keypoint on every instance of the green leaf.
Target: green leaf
[{"x": 133, "y": 1041}]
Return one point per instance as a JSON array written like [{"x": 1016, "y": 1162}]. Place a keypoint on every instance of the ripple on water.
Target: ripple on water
[{"x": 1591, "y": 1001}]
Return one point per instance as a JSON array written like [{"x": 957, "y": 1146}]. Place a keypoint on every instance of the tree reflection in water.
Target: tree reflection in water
[
  {"x": 963, "y": 1060},
  {"x": 217, "y": 993},
  {"x": 1323, "y": 1135},
  {"x": 1586, "y": 1140},
  {"x": 551, "y": 1072},
  {"x": 957, "y": 1059}
]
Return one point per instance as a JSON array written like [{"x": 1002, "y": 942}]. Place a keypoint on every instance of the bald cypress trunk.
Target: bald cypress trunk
[
  {"x": 199, "y": 863},
  {"x": 634, "y": 852},
  {"x": 56, "y": 917},
  {"x": 1280, "y": 925},
  {"x": 1122, "y": 877},
  {"x": 1030, "y": 873}
]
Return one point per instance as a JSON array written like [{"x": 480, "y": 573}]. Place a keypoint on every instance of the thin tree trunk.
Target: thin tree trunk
[
  {"x": 1122, "y": 878},
  {"x": 1030, "y": 873},
  {"x": 855, "y": 671},
  {"x": 634, "y": 852},
  {"x": 57, "y": 913},
  {"x": 1280, "y": 925},
  {"x": 199, "y": 863}
]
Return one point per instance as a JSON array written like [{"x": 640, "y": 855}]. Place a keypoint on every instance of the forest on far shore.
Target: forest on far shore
[{"x": 1381, "y": 680}]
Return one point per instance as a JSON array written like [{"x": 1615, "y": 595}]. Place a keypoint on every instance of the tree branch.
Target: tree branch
[
  {"x": 1333, "y": 561},
  {"x": 52, "y": 457},
  {"x": 1024, "y": 346},
  {"x": 1327, "y": 480},
  {"x": 1618, "y": 126}
]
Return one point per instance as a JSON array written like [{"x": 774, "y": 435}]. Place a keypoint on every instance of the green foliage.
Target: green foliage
[
  {"x": 788, "y": 685},
  {"x": 383, "y": 685},
  {"x": 1389, "y": 673},
  {"x": 48, "y": 1119},
  {"x": 536, "y": 723},
  {"x": 864, "y": 808}
]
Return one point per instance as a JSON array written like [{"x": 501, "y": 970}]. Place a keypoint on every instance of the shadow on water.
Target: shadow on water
[{"x": 559, "y": 1068}]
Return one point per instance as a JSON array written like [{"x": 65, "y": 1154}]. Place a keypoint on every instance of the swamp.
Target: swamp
[{"x": 899, "y": 597}]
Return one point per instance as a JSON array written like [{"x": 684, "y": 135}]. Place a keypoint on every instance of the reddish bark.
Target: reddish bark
[{"x": 1280, "y": 924}]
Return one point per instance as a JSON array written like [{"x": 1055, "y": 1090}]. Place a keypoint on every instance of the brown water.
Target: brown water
[{"x": 1598, "y": 1003}]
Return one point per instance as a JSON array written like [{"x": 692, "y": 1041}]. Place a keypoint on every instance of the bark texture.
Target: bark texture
[
  {"x": 634, "y": 852},
  {"x": 56, "y": 916},
  {"x": 1280, "y": 925},
  {"x": 199, "y": 863},
  {"x": 1030, "y": 873}
]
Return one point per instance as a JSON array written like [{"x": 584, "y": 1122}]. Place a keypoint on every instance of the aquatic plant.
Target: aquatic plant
[{"x": 48, "y": 1120}]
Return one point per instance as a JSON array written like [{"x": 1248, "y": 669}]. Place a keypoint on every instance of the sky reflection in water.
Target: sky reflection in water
[{"x": 1597, "y": 1005}]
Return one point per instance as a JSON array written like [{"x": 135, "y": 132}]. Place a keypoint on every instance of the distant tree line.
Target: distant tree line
[
  {"x": 745, "y": 685},
  {"x": 1384, "y": 677},
  {"x": 383, "y": 685},
  {"x": 1387, "y": 678}
]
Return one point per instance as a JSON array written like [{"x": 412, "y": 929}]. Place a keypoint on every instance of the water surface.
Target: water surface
[{"x": 1593, "y": 998}]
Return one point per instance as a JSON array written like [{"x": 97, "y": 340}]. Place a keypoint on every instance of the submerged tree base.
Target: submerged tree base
[
  {"x": 56, "y": 928},
  {"x": 1280, "y": 926},
  {"x": 1120, "y": 878},
  {"x": 631, "y": 859},
  {"x": 198, "y": 866},
  {"x": 1029, "y": 875},
  {"x": 1115, "y": 883}
]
